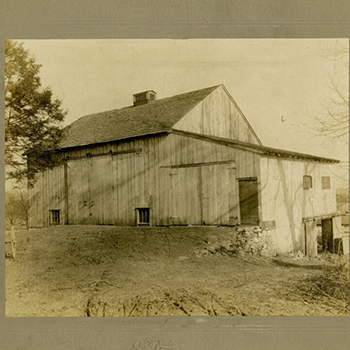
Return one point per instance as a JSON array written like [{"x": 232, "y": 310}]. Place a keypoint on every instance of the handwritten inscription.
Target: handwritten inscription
[{"x": 148, "y": 344}]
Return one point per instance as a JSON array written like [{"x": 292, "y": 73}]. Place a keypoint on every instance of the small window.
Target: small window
[
  {"x": 326, "y": 182},
  {"x": 143, "y": 216},
  {"x": 55, "y": 217},
  {"x": 307, "y": 182},
  {"x": 140, "y": 97}
]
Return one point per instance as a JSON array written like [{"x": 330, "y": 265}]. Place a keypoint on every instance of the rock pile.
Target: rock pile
[
  {"x": 242, "y": 240},
  {"x": 250, "y": 239}
]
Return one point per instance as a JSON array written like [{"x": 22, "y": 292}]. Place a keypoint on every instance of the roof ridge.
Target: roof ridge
[
  {"x": 189, "y": 92},
  {"x": 144, "y": 105}
]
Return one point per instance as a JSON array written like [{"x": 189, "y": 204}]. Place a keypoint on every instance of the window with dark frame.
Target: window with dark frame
[
  {"x": 326, "y": 182},
  {"x": 307, "y": 182},
  {"x": 55, "y": 217},
  {"x": 140, "y": 97},
  {"x": 143, "y": 216}
]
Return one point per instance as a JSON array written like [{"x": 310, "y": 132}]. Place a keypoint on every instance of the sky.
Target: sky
[{"x": 279, "y": 84}]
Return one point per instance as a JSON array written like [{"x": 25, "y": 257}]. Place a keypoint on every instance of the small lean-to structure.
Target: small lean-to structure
[{"x": 190, "y": 159}]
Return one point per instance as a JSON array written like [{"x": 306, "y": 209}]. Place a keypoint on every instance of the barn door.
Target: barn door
[
  {"x": 78, "y": 191},
  {"x": 208, "y": 182},
  {"x": 198, "y": 195},
  {"x": 248, "y": 202},
  {"x": 185, "y": 196},
  {"x": 179, "y": 196},
  {"x": 216, "y": 188}
]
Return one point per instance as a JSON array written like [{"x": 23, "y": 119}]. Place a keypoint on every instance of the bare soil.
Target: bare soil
[{"x": 77, "y": 271}]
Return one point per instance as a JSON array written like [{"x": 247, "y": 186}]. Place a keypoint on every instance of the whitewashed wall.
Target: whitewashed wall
[{"x": 284, "y": 200}]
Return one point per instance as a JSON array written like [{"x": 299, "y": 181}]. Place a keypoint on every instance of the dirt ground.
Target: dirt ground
[{"x": 77, "y": 271}]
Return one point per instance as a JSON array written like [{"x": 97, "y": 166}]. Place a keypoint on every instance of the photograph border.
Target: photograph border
[{"x": 145, "y": 19}]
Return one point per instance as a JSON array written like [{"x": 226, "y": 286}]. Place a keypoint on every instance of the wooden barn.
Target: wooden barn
[{"x": 190, "y": 159}]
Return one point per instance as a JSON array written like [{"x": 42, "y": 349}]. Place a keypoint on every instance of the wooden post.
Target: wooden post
[
  {"x": 337, "y": 235},
  {"x": 13, "y": 241},
  {"x": 303, "y": 247},
  {"x": 337, "y": 228}
]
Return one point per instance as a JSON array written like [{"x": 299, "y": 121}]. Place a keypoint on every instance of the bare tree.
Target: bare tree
[
  {"x": 12, "y": 210},
  {"x": 333, "y": 123},
  {"x": 22, "y": 191},
  {"x": 342, "y": 197}
]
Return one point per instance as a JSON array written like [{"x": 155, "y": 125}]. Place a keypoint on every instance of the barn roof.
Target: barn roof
[
  {"x": 264, "y": 150},
  {"x": 152, "y": 118}
]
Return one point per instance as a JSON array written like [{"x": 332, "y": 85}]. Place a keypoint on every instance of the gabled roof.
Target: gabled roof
[{"x": 155, "y": 117}]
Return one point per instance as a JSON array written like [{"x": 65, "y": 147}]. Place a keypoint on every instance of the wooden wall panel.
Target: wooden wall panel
[
  {"x": 247, "y": 164},
  {"x": 233, "y": 196},
  {"x": 197, "y": 194},
  {"x": 194, "y": 196},
  {"x": 98, "y": 192},
  {"x": 121, "y": 190},
  {"x": 218, "y": 115},
  {"x": 224, "y": 187},
  {"x": 36, "y": 203},
  {"x": 164, "y": 196},
  {"x": 75, "y": 201},
  {"x": 83, "y": 188},
  {"x": 47, "y": 194},
  {"x": 116, "y": 202},
  {"x": 198, "y": 187},
  {"x": 107, "y": 189},
  {"x": 208, "y": 189}
]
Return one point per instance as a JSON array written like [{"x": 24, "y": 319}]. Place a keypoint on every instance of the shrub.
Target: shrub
[{"x": 333, "y": 284}]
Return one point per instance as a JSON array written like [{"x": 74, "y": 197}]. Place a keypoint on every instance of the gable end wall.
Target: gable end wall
[{"x": 218, "y": 115}]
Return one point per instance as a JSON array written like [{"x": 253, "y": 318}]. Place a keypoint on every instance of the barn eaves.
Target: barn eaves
[{"x": 269, "y": 151}]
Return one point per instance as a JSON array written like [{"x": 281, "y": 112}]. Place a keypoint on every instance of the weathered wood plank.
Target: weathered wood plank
[{"x": 218, "y": 115}]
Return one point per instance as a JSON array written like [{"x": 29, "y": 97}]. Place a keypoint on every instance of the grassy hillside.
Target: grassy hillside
[{"x": 130, "y": 271}]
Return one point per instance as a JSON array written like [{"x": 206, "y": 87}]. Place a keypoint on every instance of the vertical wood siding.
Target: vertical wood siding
[
  {"x": 165, "y": 176},
  {"x": 217, "y": 115},
  {"x": 195, "y": 186},
  {"x": 47, "y": 194},
  {"x": 108, "y": 188}
]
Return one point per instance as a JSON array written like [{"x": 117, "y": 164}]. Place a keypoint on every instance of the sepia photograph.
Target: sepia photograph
[{"x": 163, "y": 177}]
